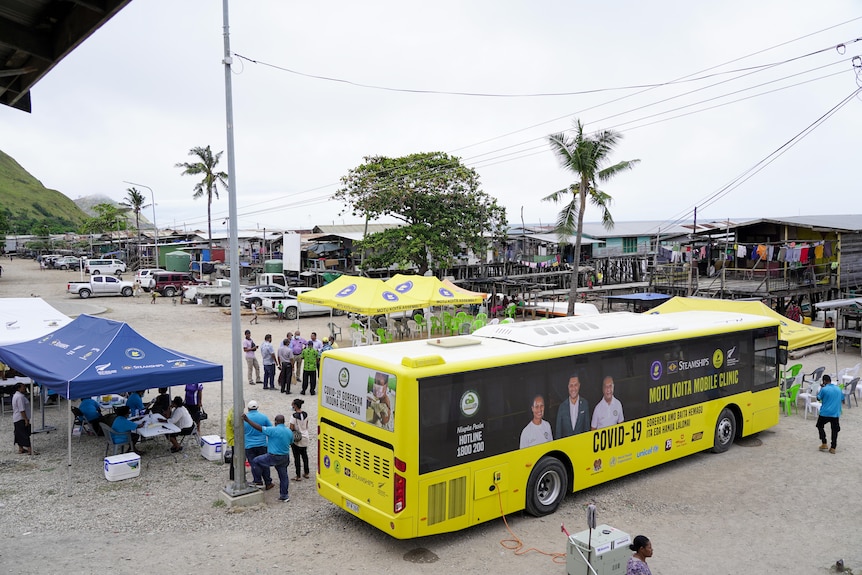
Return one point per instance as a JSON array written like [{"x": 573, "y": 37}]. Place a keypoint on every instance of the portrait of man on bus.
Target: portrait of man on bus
[
  {"x": 537, "y": 430},
  {"x": 609, "y": 410},
  {"x": 573, "y": 415},
  {"x": 380, "y": 402}
]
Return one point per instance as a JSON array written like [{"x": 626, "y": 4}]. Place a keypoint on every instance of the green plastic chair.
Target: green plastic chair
[
  {"x": 792, "y": 371},
  {"x": 477, "y": 323},
  {"x": 511, "y": 311},
  {"x": 507, "y": 320},
  {"x": 436, "y": 325},
  {"x": 383, "y": 335},
  {"x": 421, "y": 324},
  {"x": 788, "y": 400}
]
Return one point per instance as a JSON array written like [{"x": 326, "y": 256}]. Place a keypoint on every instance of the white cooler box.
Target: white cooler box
[
  {"x": 123, "y": 466},
  {"x": 212, "y": 447}
]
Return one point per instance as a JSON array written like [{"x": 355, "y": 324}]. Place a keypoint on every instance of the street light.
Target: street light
[{"x": 155, "y": 225}]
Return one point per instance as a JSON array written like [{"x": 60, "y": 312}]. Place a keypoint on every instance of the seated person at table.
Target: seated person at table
[
  {"x": 135, "y": 403},
  {"x": 93, "y": 414},
  {"x": 161, "y": 405},
  {"x": 122, "y": 424},
  {"x": 829, "y": 323},
  {"x": 182, "y": 419}
]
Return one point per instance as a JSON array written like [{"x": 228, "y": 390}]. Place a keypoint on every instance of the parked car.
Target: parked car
[
  {"x": 170, "y": 284},
  {"x": 294, "y": 308},
  {"x": 256, "y": 294},
  {"x": 67, "y": 263},
  {"x": 145, "y": 277},
  {"x": 100, "y": 266},
  {"x": 100, "y": 285}
]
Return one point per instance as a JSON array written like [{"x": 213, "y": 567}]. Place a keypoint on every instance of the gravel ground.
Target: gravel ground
[{"x": 772, "y": 504}]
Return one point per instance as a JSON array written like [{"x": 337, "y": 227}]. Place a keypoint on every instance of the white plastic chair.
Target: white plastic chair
[{"x": 811, "y": 405}]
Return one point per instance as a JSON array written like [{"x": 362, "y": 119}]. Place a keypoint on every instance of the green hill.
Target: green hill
[{"x": 28, "y": 206}]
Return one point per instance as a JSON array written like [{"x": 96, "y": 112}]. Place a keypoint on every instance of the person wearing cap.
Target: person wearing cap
[
  {"x": 277, "y": 454},
  {"x": 255, "y": 440},
  {"x": 327, "y": 345}
]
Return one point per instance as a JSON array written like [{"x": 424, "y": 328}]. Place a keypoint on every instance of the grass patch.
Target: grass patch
[{"x": 219, "y": 503}]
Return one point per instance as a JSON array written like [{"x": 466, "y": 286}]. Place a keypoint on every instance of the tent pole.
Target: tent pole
[{"x": 69, "y": 439}]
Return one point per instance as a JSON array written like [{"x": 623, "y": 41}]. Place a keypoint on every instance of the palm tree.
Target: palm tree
[
  {"x": 209, "y": 184},
  {"x": 586, "y": 157},
  {"x": 134, "y": 200}
]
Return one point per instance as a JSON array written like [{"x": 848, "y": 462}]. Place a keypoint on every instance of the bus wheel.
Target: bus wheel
[
  {"x": 546, "y": 487},
  {"x": 725, "y": 431}
]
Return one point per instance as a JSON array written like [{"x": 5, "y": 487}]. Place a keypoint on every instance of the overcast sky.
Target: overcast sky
[{"x": 149, "y": 85}]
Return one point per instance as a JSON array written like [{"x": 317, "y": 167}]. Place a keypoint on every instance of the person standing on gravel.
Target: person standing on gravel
[
  {"x": 831, "y": 398},
  {"x": 21, "y": 419},
  {"x": 297, "y": 344},
  {"x": 255, "y": 441},
  {"x": 248, "y": 348},
  {"x": 267, "y": 353},
  {"x": 277, "y": 455},
  {"x": 284, "y": 358}
]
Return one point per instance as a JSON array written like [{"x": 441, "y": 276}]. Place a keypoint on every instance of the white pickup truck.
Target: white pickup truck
[
  {"x": 294, "y": 308},
  {"x": 101, "y": 285},
  {"x": 210, "y": 294}
]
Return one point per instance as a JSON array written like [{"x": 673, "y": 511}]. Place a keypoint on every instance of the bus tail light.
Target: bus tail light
[
  {"x": 400, "y": 465},
  {"x": 400, "y": 493},
  {"x": 318, "y": 450}
]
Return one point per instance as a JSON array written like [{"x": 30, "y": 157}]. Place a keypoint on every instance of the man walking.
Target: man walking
[
  {"x": 255, "y": 441},
  {"x": 277, "y": 455},
  {"x": 248, "y": 348},
  {"x": 831, "y": 398},
  {"x": 267, "y": 353}
]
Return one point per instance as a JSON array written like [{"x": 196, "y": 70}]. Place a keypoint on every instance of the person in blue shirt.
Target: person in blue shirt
[
  {"x": 831, "y": 398},
  {"x": 277, "y": 455},
  {"x": 93, "y": 414},
  {"x": 255, "y": 440},
  {"x": 122, "y": 425},
  {"x": 135, "y": 402}
]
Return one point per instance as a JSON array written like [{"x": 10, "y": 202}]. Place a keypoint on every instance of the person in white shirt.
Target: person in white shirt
[
  {"x": 180, "y": 417},
  {"x": 538, "y": 430},
  {"x": 609, "y": 411}
]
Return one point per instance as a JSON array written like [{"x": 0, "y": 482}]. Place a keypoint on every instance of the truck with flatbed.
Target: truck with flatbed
[
  {"x": 101, "y": 284},
  {"x": 215, "y": 294}
]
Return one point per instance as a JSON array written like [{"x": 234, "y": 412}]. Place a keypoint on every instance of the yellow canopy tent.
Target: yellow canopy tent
[
  {"x": 432, "y": 291},
  {"x": 361, "y": 295},
  {"x": 797, "y": 335},
  {"x": 459, "y": 290}
]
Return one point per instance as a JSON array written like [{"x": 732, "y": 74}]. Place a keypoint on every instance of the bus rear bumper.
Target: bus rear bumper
[{"x": 400, "y": 527}]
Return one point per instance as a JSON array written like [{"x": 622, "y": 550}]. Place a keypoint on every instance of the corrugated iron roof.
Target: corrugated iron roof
[{"x": 36, "y": 34}]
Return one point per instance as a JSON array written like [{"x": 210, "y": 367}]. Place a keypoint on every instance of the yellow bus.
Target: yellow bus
[{"x": 432, "y": 436}]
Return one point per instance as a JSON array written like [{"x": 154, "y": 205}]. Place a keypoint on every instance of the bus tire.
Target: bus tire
[
  {"x": 725, "y": 431},
  {"x": 547, "y": 487}
]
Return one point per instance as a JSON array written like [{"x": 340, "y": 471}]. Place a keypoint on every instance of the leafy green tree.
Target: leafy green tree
[
  {"x": 108, "y": 218},
  {"x": 208, "y": 186},
  {"x": 437, "y": 198},
  {"x": 135, "y": 201},
  {"x": 587, "y": 157}
]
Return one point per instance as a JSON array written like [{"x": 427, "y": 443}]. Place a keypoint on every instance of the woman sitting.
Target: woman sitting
[{"x": 182, "y": 419}]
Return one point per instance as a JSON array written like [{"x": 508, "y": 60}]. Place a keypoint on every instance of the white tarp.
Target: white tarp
[{"x": 24, "y": 319}]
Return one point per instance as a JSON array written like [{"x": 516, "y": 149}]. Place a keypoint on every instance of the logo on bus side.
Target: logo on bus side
[
  {"x": 469, "y": 403},
  {"x": 718, "y": 358},
  {"x": 655, "y": 370},
  {"x": 343, "y": 377}
]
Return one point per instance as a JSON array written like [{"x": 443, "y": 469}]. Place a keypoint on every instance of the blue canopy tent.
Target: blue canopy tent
[
  {"x": 94, "y": 356},
  {"x": 91, "y": 356}
]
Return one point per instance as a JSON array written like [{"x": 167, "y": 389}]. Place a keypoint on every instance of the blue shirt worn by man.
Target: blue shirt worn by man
[
  {"x": 280, "y": 438},
  {"x": 254, "y": 438},
  {"x": 134, "y": 402},
  {"x": 832, "y": 399},
  {"x": 122, "y": 425},
  {"x": 90, "y": 409}
]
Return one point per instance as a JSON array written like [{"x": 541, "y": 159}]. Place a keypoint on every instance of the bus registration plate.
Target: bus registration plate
[{"x": 351, "y": 505}]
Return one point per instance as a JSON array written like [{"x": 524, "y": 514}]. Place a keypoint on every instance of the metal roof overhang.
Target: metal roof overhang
[{"x": 36, "y": 34}]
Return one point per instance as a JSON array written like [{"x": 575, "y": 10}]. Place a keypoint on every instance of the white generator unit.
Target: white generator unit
[{"x": 607, "y": 552}]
